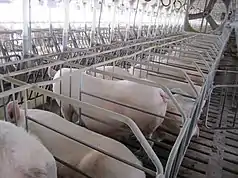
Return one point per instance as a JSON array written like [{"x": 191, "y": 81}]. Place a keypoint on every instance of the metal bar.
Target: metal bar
[
  {"x": 137, "y": 5},
  {"x": 26, "y": 47},
  {"x": 66, "y": 25},
  {"x": 191, "y": 84},
  {"x": 97, "y": 149},
  {"x": 202, "y": 96},
  {"x": 93, "y": 29},
  {"x": 129, "y": 21},
  {"x": 92, "y": 55},
  {"x": 141, "y": 20},
  {"x": 113, "y": 20},
  {"x": 151, "y": 21},
  {"x": 50, "y": 20},
  {"x": 126, "y": 120}
]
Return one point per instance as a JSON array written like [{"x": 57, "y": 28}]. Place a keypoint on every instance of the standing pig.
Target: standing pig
[
  {"x": 145, "y": 97},
  {"x": 22, "y": 155}
]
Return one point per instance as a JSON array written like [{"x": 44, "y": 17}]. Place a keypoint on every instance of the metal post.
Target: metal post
[
  {"x": 26, "y": 48},
  {"x": 167, "y": 22},
  {"x": 113, "y": 19},
  {"x": 129, "y": 21},
  {"x": 109, "y": 11},
  {"x": 66, "y": 24},
  {"x": 100, "y": 15},
  {"x": 29, "y": 29},
  {"x": 84, "y": 12},
  {"x": 155, "y": 23},
  {"x": 50, "y": 21},
  {"x": 93, "y": 22},
  {"x": 151, "y": 20},
  {"x": 187, "y": 2},
  {"x": 141, "y": 20}
]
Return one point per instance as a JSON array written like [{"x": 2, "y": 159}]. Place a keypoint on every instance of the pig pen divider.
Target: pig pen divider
[
  {"x": 198, "y": 109},
  {"x": 38, "y": 60},
  {"x": 182, "y": 132},
  {"x": 136, "y": 80},
  {"x": 144, "y": 143},
  {"x": 34, "y": 85},
  {"x": 84, "y": 53}
]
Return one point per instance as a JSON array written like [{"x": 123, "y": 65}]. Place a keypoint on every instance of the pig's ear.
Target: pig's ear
[
  {"x": 164, "y": 96},
  {"x": 13, "y": 110}
]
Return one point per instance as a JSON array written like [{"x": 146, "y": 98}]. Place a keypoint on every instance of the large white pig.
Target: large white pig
[
  {"x": 147, "y": 98},
  {"x": 76, "y": 154},
  {"x": 164, "y": 81},
  {"x": 22, "y": 155}
]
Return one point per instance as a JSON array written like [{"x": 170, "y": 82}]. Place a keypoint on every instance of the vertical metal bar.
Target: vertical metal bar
[
  {"x": 25, "y": 5},
  {"x": 137, "y": 5},
  {"x": 84, "y": 12},
  {"x": 141, "y": 19},
  {"x": 3, "y": 100},
  {"x": 29, "y": 29},
  {"x": 66, "y": 24},
  {"x": 26, "y": 107},
  {"x": 93, "y": 22},
  {"x": 223, "y": 106},
  {"x": 158, "y": 16},
  {"x": 203, "y": 18},
  {"x": 151, "y": 20},
  {"x": 113, "y": 20},
  {"x": 235, "y": 116},
  {"x": 50, "y": 20},
  {"x": 155, "y": 22},
  {"x": 100, "y": 15},
  {"x": 129, "y": 21}
]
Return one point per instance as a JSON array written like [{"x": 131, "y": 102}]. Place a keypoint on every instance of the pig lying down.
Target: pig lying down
[
  {"x": 147, "y": 98},
  {"x": 91, "y": 162},
  {"x": 22, "y": 155}
]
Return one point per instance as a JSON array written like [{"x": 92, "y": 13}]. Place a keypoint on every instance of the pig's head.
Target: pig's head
[{"x": 15, "y": 114}]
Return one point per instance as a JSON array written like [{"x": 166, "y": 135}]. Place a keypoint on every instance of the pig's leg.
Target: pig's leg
[
  {"x": 71, "y": 115},
  {"x": 158, "y": 135},
  {"x": 67, "y": 111},
  {"x": 76, "y": 118},
  {"x": 151, "y": 128}
]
